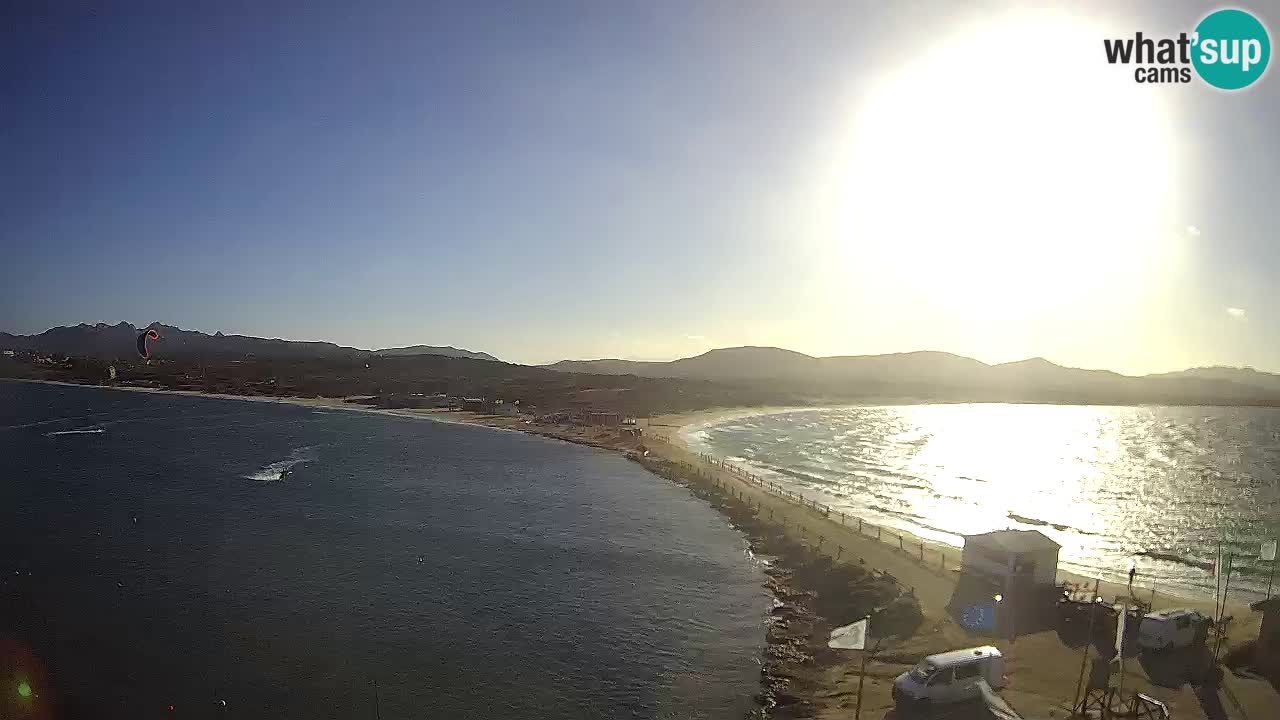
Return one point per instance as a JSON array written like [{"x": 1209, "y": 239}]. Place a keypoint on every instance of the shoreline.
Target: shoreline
[
  {"x": 800, "y": 677},
  {"x": 675, "y": 425},
  {"x": 1113, "y": 589}
]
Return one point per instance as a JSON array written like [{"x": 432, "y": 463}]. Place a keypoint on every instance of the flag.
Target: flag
[
  {"x": 1268, "y": 551},
  {"x": 1120, "y": 620},
  {"x": 849, "y": 637}
]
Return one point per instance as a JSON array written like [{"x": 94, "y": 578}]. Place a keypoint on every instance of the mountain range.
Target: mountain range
[
  {"x": 906, "y": 377},
  {"x": 119, "y": 340},
  {"x": 945, "y": 376}
]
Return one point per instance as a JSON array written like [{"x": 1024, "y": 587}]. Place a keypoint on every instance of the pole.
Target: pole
[
  {"x": 1226, "y": 589},
  {"x": 862, "y": 673},
  {"x": 1013, "y": 611},
  {"x": 1084, "y": 654},
  {"x": 377, "y": 707},
  {"x": 1217, "y": 602},
  {"x": 1272, "y": 578},
  {"x": 1217, "y": 584},
  {"x": 1124, "y": 608}
]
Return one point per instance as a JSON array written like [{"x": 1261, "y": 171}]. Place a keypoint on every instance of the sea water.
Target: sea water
[
  {"x": 161, "y": 550},
  {"x": 1159, "y": 487}
]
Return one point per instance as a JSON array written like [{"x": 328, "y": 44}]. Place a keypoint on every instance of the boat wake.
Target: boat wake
[
  {"x": 280, "y": 470},
  {"x": 80, "y": 431}
]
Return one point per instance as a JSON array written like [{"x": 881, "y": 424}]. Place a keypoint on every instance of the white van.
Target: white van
[
  {"x": 951, "y": 676},
  {"x": 1170, "y": 629}
]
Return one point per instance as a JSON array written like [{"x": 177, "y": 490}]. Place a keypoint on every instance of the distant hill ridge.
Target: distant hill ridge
[
  {"x": 942, "y": 375},
  {"x": 925, "y": 376},
  {"x": 447, "y": 351},
  {"x": 104, "y": 340}
]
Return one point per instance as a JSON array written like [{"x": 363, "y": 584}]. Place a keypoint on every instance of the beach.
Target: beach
[
  {"x": 818, "y": 682},
  {"x": 1043, "y": 670}
]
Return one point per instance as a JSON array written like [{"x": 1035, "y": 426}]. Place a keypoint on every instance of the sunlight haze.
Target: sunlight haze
[{"x": 647, "y": 182}]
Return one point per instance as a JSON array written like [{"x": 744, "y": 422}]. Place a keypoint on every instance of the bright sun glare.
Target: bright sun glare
[{"x": 1004, "y": 170}]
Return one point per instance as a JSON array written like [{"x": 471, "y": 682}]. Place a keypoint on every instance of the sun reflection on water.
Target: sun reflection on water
[{"x": 1105, "y": 482}]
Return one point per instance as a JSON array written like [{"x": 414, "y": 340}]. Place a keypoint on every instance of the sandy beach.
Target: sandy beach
[{"x": 1043, "y": 669}]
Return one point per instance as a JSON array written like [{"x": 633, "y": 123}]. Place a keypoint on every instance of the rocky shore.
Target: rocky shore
[{"x": 811, "y": 592}]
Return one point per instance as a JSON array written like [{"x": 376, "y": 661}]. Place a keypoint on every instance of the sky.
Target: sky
[{"x": 643, "y": 180}]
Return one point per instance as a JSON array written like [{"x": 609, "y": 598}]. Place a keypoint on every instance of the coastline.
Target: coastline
[
  {"x": 800, "y": 677},
  {"x": 671, "y": 427},
  {"x": 682, "y": 423}
]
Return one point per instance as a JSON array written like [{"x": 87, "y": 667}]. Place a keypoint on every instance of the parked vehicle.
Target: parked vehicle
[
  {"x": 1169, "y": 629},
  {"x": 951, "y": 676}
]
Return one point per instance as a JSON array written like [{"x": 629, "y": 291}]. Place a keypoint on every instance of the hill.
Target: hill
[
  {"x": 734, "y": 376},
  {"x": 119, "y": 341},
  {"x": 446, "y": 351},
  {"x": 940, "y": 376}
]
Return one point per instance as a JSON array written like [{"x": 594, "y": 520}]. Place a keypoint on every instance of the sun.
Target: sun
[{"x": 1004, "y": 169}]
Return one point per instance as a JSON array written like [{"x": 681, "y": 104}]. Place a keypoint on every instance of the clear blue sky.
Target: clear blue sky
[{"x": 650, "y": 179}]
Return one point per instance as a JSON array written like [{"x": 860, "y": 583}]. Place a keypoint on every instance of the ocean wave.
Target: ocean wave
[
  {"x": 935, "y": 528},
  {"x": 79, "y": 431},
  {"x": 897, "y": 513},
  {"x": 277, "y": 471},
  {"x": 798, "y": 474},
  {"x": 1176, "y": 559},
  {"x": 1045, "y": 523}
]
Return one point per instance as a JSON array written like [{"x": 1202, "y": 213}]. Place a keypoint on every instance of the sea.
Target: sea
[
  {"x": 1156, "y": 489},
  {"x": 176, "y": 556}
]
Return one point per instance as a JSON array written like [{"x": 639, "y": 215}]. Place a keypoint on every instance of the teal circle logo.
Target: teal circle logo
[{"x": 1232, "y": 49}]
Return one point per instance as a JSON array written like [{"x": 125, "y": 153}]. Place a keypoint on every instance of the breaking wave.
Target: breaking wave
[
  {"x": 279, "y": 470},
  {"x": 1177, "y": 559},
  {"x": 1045, "y": 523}
]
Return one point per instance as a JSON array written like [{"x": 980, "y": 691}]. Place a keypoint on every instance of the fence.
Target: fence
[{"x": 914, "y": 547}]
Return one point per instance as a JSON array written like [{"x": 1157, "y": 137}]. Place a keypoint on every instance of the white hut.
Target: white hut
[{"x": 1005, "y": 555}]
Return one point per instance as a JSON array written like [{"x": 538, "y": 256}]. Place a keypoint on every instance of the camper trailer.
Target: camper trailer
[{"x": 950, "y": 677}]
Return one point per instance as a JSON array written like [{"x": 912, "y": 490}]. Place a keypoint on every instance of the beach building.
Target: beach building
[
  {"x": 1008, "y": 556},
  {"x": 506, "y": 408},
  {"x": 606, "y": 419},
  {"x": 1267, "y": 651}
]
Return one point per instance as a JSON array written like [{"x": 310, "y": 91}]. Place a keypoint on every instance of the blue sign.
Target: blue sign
[{"x": 980, "y": 617}]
